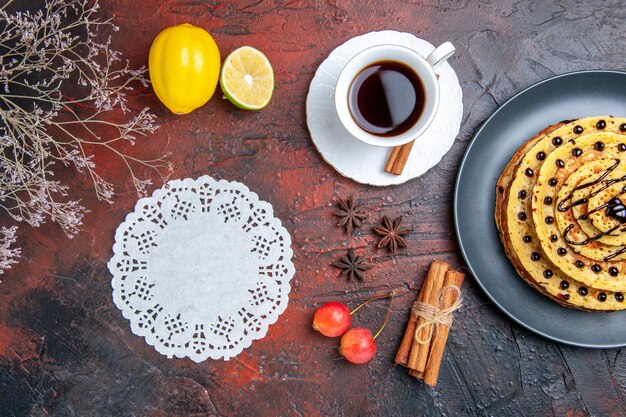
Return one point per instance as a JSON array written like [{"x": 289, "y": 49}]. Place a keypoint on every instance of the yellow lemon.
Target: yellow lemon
[{"x": 184, "y": 67}]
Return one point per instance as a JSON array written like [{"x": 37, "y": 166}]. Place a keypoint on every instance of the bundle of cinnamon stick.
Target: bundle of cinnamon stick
[{"x": 426, "y": 334}]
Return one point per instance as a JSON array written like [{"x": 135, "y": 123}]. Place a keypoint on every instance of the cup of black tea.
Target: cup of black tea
[{"x": 388, "y": 95}]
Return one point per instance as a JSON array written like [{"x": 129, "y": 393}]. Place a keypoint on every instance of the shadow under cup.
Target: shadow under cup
[{"x": 387, "y": 95}]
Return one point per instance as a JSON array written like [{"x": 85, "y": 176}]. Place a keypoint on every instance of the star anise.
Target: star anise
[
  {"x": 392, "y": 233},
  {"x": 350, "y": 214},
  {"x": 353, "y": 266}
]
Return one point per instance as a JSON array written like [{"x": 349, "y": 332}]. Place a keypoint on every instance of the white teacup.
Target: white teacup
[{"x": 424, "y": 68}]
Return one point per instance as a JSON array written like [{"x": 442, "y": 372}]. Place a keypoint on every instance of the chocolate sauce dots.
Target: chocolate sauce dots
[
  {"x": 580, "y": 264},
  {"x": 521, "y": 216},
  {"x": 583, "y": 291},
  {"x": 578, "y": 130},
  {"x": 527, "y": 239},
  {"x": 548, "y": 273},
  {"x": 541, "y": 156},
  {"x": 561, "y": 251},
  {"x": 596, "y": 268},
  {"x": 564, "y": 285},
  {"x": 619, "y": 296},
  {"x": 521, "y": 195},
  {"x": 554, "y": 238},
  {"x": 552, "y": 182},
  {"x": 601, "y": 124},
  {"x": 535, "y": 256},
  {"x": 560, "y": 163},
  {"x": 549, "y": 219},
  {"x": 529, "y": 172},
  {"x": 613, "y": 271},
  {"x": 621, "y": 147},
  {"x": 577, "y": 152},
  {"x": 547, "y": 201},
  {"x": 558, "y": 141},
  {"x": 622, "y": 127},
  {"x": 602, "y": 297},
  {"x": 599, "y": 146}
]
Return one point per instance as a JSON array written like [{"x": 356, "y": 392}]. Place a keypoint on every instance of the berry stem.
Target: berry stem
[
  {"x": 380, "y": 297},
  {"x": 387, "y": 317}
]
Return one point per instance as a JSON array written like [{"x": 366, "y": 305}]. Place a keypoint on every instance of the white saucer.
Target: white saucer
[{"x": 365, "y": 163}]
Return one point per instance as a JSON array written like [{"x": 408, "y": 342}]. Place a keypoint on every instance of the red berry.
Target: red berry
[
  {"x": 332, "y": 319},
  {"x": 358, "y": 345}
]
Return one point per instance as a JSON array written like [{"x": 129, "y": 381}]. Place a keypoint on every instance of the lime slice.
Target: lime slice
[{"x": 247, "y": 78}]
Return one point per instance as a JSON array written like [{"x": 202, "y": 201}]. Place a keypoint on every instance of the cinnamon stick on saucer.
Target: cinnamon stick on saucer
[{"x": 398, "y": 157}]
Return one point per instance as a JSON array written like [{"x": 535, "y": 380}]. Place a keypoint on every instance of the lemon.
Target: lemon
[
  {"x": 184, "y": 66},
  {"x": 247, "y": 78}
]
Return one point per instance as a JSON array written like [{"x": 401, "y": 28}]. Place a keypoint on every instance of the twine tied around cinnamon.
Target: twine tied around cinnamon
[{"x": 433, "y": 315}]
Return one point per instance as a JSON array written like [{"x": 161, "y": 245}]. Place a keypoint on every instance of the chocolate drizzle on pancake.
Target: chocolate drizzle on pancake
[
  {"x": 563, "y": 208},
  {"x": 614, "y": 208},
  {"x": 621, "y": 217},
  {"x": 589, "y": 239},
  {"x": 614, "y": 255}
]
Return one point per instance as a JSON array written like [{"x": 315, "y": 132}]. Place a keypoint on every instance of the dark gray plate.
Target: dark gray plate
[{"x": 568, "y": 96}]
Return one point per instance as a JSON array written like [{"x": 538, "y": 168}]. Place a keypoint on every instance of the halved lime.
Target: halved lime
[{"x": 247, "y": 78}]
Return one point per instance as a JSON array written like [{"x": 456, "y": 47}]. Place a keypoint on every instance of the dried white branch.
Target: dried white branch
[
  {"x": 8, "y": 255},
  {"x": 50, "y": 63}
]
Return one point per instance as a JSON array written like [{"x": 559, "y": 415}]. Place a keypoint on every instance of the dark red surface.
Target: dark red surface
[{"x": 66, "y": 350}]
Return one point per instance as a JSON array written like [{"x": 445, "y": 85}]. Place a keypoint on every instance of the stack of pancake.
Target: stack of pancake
[{"x": 561, "y": 212}]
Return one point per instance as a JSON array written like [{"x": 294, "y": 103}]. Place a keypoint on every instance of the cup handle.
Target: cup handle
[{"x": 440, "y": 54}]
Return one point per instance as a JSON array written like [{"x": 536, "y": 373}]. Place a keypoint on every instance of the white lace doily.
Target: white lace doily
[
  {"x": 201, "y": 268},
  {"x": 365, "y": 163}
]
